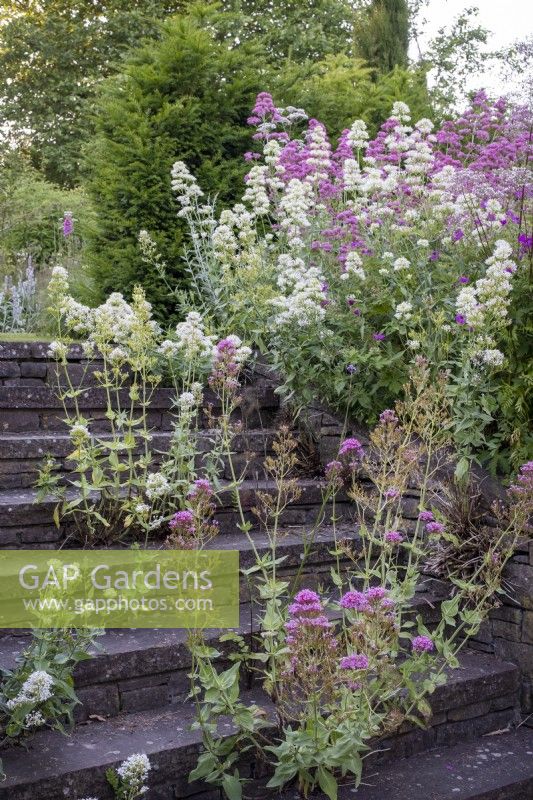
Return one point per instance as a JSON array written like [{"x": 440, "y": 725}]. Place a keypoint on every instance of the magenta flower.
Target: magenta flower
[
  {"x": 354, "y": 600},
  {"x": 422, "y": 644},
  {"x": 378, "y": 337},
  {"x": 426, "y": 516},
  {"x": 351, "y": 446},
  {"x": 460, "y": 319},
  {"x": 435, "y": 527},
  {"x": 354, "y": 661},
  {"x": 393, "y": 537},
  {"x": 68, "y": 224}
]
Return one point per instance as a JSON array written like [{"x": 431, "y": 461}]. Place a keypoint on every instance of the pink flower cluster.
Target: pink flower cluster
[
  {"x": 376, "y": 598},
  {"x": 309, "y": 632},
  {"x": 422, "y": 644}
]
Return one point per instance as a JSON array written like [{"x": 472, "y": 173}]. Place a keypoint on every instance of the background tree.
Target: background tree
[
  {"x": 383, "y": 34},
  {"x": 186, "y": 97},
  {"x": 52, "y": 55}
]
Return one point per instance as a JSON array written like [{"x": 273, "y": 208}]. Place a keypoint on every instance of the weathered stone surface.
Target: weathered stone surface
[
  {"x": 9, "y": 369},
  {"x": 18, "y": 420},
  {"x": 33, "y": 369},
  {"x": 527, "y": 630},
  {"x": 520, "y": 577}
]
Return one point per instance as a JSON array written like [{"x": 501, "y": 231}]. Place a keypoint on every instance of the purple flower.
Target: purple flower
[
  {"x": 68, "y": 224},
  {"x": 355, "y": 600},
  {"x": 422, "y": 644},
  {"x": 351, "y": 446},
  {"x": 435, "y": 254},
  {"x": 201, "y": 486},
  {"x": 463, "y": 279},
  {"x": 460, "y": 319},
  {"x": 182, "y": 520},
  {"x": 351, "y": 369},
  {"x": 354, "y": 661},
  {"x": 435, "y": 527},
  {"x": 426, "y": 516},
  {"x": 388, "y": 417},
  {"x": 457, "y": 235},
  {"x": 392, "y": 493},
  {"x": 306, "y": 597},
  {"x": 393, "y": 537},
  {"x": 333, "y": 469},
  {"x": 378, "y": 337},
  {"x": 376, "y": 593}
]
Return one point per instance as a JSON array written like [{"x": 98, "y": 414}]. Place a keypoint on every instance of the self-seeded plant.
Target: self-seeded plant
[
  {"x": 129, "y": 781},
  {"x": 347, "y": 666},
  {"x": 39, "y": 691},
  {"x": 119, "y": 481}
]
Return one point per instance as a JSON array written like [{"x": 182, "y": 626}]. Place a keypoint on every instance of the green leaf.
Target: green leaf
[
  {"x": 232, "y": 787},
  {"x": 327, "y": 783}
]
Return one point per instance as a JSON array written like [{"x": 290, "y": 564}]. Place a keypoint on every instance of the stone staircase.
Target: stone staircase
[{"x": 134, "y": 690}]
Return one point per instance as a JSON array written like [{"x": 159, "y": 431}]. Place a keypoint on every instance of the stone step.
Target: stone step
[
  {"x": 498, "y": 767},
  {"x": 21, "y": 455},
  {"x": 477, "y": 700},
  {"x": 23, "y": 520},
  {"x": 37, "y": 408},
  {"x": 136, "y": 669}
]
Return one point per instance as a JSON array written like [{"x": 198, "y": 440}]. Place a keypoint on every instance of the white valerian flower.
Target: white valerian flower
[
  {"x": 294, "y": 207},
  {"x": 186, "y": 401},
  {"x": 403, "y": 311},
  {"x": 354, "y": 265},
  {"x": 318, "y": 152},
  {"x": 424, "y": 125},
  {"x": 493, "y": 358},
  {"x": 185, "y": 186},
  {"x": 413, "y": 344},
  {"x": 34, "y": 719},
  {"x": 117, "y": 354},
  {"x": 358, "y": 135},
  {"x": 383, "y": 271},
  {"x": 79, "y": 431},
  {"x": 191, "y": 340},
  {"x": 401, "y": 263},
  {"x": 142, "y": 508},
  {"x": 423, "y": 243},
  {"x": 401, "y": 111},
  {"x": 134, "y": 771},
  {"x": 37, "y": 688},
  {"x": 157, "y": 485},
  {"x": 256, "y": 190},
  {"x": 57, "y": 350}
]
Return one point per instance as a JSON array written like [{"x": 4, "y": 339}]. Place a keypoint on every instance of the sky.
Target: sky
[{"x": 508, "y": 20}]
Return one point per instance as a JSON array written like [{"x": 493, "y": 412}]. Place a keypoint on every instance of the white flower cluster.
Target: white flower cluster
[
  {"x": 490, "y": 295},
  {"x": 34, "y": 719},
  {"x": 186, "y": 187},
  {"x": 157, "y": 485},
  {"x": 401, "y": 264},
  {"x": 134, "y": 772},
  {"x": 256, "y": 190},
  {"x": 401, "y": 111},
  {"x": 191, "y": 342},
  {"x": 358, "y": 135},
  {"x": 319, "y": 153},
  {"x": 403, "y": 312},
  {"x": 294, "y": 207},
  {"x": 37, "y": 688},
  {"x": 57, "y": 350},
  {"x": 353, "y": 266},
  {"x": 303, "y": 304}
]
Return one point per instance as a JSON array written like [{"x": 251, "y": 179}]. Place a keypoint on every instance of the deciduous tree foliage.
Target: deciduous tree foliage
[{"x": 52, "y": 55}]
